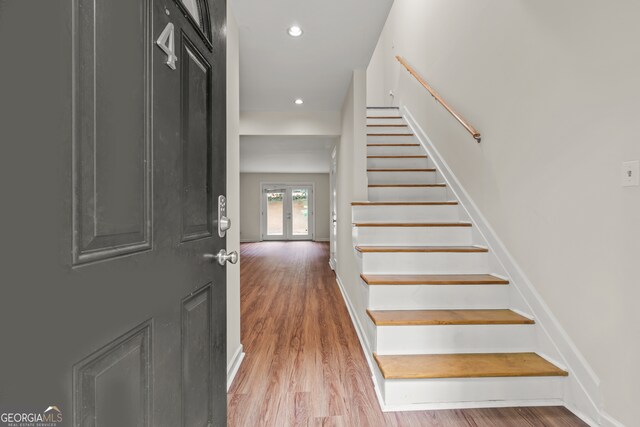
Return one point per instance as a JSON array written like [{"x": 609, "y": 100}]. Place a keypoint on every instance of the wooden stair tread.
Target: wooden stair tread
[
  {"x": 389, "y": 134},
  {"x": 388, "y": 126},
  {"x": 393, "y": 145},
  {"x": 452, "y": 203},
  {"x": 398, "y": 157},
  {"x": 405, "y": 185},
  {"x": 412, "y": 224},
  {"x": 446, "y": 317},
  {"x": 432, "y": 279},
  {"x": 402, "y": 170},
  {"x": 378, "y": 249},
  {"x": 474, "y": 365}
]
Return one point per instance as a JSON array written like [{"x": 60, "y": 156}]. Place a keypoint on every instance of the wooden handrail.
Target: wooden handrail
[{"x": 473, "y": 131}]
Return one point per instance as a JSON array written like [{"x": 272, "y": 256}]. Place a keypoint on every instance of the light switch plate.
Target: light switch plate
[{"x": 631, "y": 173}]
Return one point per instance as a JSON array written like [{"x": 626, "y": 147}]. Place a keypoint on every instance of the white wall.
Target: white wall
[
  {"x": 286, "y": 154},
  {"x": 250, "y": 191},
  {"x": 234, "y": 348},
  {"x": 554, "y": 88},
  {"x": 290, "y": 123},
  {"x": 351, "y": 185}
]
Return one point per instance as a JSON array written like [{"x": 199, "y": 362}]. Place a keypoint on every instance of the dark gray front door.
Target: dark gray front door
[{"x": 112, "y": 163}]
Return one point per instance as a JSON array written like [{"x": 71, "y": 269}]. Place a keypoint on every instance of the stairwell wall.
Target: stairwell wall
[
  {"x": 554, "y": 89},
  {"x": 351, "y": 185}
]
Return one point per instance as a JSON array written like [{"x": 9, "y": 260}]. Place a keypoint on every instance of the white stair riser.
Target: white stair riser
[
  {"x": 398, "y": 163},
  {"x": 401, "y": 177},
  {"x": 400, "y": 150},
  {"x": 377, "y": 112},
  {"x": 438, "y": 297},
  {"x": 446, "y": 339},
  {"x": 394, "y": 139},
  {"x": 449, "y": 390},
  {"x": 386, "y": 122},
  {"x": 425, "y": 263},
  {"x": 389, "y": 194},
  {"x": 387, "y": 129},
  {"x": 413, "y": 236},
  {"x": 416, "y": 213}
]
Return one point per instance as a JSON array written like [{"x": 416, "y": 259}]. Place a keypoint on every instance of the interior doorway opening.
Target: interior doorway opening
[{"x": 287, "y": 211}]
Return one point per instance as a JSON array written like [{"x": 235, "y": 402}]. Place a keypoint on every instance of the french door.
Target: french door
[{"x": 287, "y": 212}]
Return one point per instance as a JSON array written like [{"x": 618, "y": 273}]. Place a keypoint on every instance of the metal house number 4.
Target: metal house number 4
[{"x": 166, "y": 43}]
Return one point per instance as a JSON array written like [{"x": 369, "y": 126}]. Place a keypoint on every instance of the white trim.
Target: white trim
[
  {"x": 234, "y": 365},
  {"x": 470, "y": 405},
  {"x": 584, "y": 379},
  {"x": 321, "y": 239},
  {"x": 249, "y": 240},
  {"x": 607, "y": 420}
]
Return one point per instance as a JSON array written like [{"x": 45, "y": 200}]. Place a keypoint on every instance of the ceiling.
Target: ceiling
[
  {"x": 275, "y": 69},
  {"x": 286, "y": 154}
]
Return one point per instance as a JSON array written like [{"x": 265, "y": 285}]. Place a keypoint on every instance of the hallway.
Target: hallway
[{"x": 304, "y": 364}]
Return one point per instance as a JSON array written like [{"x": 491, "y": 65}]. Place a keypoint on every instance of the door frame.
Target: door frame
[
  {"x": 333, "y": 201},
  {"x": 287, "y": 235}
]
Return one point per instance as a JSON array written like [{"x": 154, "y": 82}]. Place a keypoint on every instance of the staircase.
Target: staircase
[{"x": 441, "y": 328}]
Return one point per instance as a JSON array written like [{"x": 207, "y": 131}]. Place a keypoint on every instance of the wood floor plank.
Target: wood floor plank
[
  {"x": 447, "y": 317},
  {"x": 303, "y": 359},
  {"x": 432, "y": 279},
  {"x": 475, "y": 365}
]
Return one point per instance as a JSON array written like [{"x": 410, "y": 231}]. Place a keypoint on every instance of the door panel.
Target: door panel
[
  {"x": 197, "y": 209},
  {"x": 113, "y": 385},
  {"x": 112, "y": 149},
  {"x": 196, "y": 358},
  {"x": 111, "y": 161}
]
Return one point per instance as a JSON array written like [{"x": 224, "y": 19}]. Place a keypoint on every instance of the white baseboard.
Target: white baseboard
[
  {"x": 321, "y": 239},
  {"x": 607, "y": 420},
  {"x": 368, "y": 355},
  {"x": 249, "y": 240},
  {"x": 234, "y": 365},
  {"x": 585, "y": 383}
]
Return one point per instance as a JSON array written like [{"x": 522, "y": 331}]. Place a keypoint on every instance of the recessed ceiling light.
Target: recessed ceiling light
[
  {"x": 294, "y": 31},
  {"x": 298, "y": 101}
]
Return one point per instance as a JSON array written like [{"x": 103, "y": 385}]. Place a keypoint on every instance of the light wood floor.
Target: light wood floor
[{"x": 304, "y": 365}]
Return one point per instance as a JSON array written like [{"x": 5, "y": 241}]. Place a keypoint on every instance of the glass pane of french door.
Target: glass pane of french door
[
  {"x": 300, "y": 211},
  {"x": 275, "y": 212}
]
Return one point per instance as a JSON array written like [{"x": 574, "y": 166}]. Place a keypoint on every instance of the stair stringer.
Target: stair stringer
[{"x": 581, "y": 392}]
